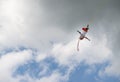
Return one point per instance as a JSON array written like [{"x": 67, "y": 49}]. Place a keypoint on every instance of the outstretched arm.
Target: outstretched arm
[
  {"x": 79, "y": 32},
  {"x": 87, "y": 38}
]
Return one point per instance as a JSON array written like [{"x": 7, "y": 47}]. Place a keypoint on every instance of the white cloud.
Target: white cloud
[
  {"x": 113, "y": 69},
  {"x": 40, "y": 57},
  {"x": 91, "y": 52},
  {"x": 64, "y": 53},
  {"x": 21, "y": 25},
  {"x": 98, "y": 52},
  {"x": 55, "y": 77},
  {"x": 94, "y": 52},
  {"x": 9, "y": 62}
]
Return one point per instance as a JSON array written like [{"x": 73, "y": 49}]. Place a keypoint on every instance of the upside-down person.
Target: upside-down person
[{"x": 82, "y": 35}]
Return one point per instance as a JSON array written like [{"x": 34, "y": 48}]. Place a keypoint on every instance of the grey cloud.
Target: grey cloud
[
  {"x": 103, "y": 16},
  {"x": 69, "y": 13}
]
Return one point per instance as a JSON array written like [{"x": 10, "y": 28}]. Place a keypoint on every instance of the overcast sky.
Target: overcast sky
[{"x": 38, "y": 41}]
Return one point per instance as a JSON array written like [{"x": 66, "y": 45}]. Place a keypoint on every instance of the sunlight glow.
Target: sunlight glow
[{"x": 10, "y": 7}]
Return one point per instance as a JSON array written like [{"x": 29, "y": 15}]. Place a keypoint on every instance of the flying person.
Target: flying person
[{"x": 82, "y": 35}]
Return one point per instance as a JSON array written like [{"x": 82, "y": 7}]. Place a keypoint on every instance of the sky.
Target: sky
[{"x": 38, "y": 40}]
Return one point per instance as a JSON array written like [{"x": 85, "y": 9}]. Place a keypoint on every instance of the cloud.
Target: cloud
[
  {"x": 54, "y": 77},
  {"x": 21, "y": 26},
  {"x": 9, "y": 62},
  {"x": 41, "y": 57},
  {"x": 92, "y": 52},
  {"x": 64, "y": 55},
  {"x": 112, "y": 69},
  {"x": 50, "y": 26}
]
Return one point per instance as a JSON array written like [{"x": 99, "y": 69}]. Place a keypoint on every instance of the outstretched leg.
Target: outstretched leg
[
  {"x": 78, "y": 45},
  {"x": 79, "y": 32}
]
